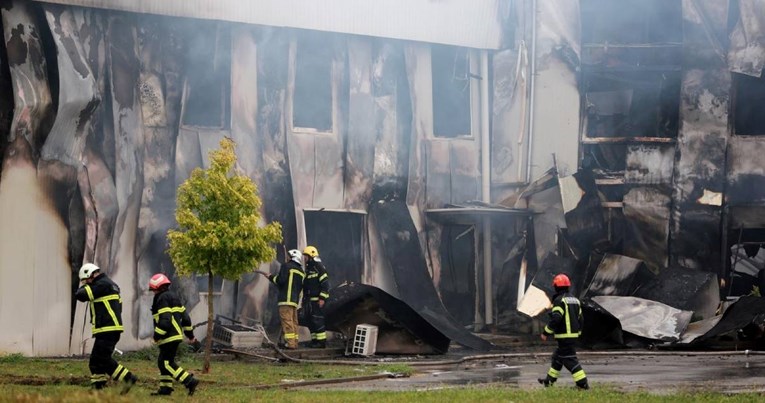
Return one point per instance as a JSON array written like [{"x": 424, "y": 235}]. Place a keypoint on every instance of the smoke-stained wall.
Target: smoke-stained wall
[
  {"x": 702, "y": 141},
  {"x": 114, "y": 110}
]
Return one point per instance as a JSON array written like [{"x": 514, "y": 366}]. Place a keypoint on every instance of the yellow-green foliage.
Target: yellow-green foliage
[{"x": 218, "y": 216}]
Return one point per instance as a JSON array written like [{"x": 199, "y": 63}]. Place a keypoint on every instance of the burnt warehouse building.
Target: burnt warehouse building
[{"x": 441, "y": 151}]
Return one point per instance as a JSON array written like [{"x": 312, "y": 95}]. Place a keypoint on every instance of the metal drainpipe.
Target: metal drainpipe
[
  {"x": 532, "y": 87},
  {"x": 486, "y": 188}
]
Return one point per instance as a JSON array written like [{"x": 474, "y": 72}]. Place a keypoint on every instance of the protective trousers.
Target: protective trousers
[
  {"x": 169, "y": 370},
  {"x": 288, "y": 317},
  {"x": 316, "y": 321},
  {"x": 102, "y": 364},
  {"x": 565, "y": 356}
]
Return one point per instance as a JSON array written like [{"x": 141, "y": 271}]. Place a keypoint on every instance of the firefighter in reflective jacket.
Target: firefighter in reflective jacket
[
  {"x": 566, "y": 325},
  {"x": 289, "y": 281},
  {"x": 171, "y": 323},
  {"x": 315, "y": 293},
  {"x": 106, "y": 320}
]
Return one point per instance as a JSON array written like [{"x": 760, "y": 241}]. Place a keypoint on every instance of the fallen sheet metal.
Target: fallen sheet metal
[
  {"x": 685, "y": 289},
  {"x": 619, "y": 275},
  {"x": 401, "y": 248},
  {"x": 644, "y": 318},
  {"x": 600, "y": 327},
  {"x": 737, "y": 315},
  {"x": 697, "y": 330},
  {"x": 401, "y": 329}
]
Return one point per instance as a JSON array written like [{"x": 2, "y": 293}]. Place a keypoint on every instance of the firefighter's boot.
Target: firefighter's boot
[
  {"x": 163, "y": 391},
  {"x": 130, "y": 381},
  {"x": 547, "y": 381},
  {"x": 582, "y": 384},
  {"x": 191, "y": 385}
]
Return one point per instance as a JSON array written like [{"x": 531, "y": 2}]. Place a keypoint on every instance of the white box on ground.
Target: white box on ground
[{"x": 364, "y": 340}]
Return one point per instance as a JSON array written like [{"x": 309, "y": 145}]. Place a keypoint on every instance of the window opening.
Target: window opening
[
  {"x": 206, "y": 99},
  {"x": 312, "y": 99},
  {"x": 748, "y": 105},
  {"x": 450, "y": 68}
]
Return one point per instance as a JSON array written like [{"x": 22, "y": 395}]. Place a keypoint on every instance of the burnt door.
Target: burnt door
[{"x": 457, "y": 285}]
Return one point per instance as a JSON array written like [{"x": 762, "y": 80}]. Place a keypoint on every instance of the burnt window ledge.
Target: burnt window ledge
[{"x": 628, "y": 140}]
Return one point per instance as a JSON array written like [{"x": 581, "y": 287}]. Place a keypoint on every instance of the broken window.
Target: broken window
[
  {"x": 631, "y": 74},
  {"x": 749, "y": 105},
  {"x": 632, "y": 104},
  {"x": 206, "y": 100},
  {"x": 457, "y": 286},
  {"x": 312, "y": 99},
  {"x": 747, "y": 262},
  {"x": 338, "y": 236},
  {"x": 450, "y": 68}
]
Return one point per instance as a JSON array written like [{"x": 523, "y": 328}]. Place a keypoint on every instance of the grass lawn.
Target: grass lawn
[{"x": 66, "y": 380}]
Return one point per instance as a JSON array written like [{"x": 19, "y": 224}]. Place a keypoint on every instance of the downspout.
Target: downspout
[
  {"x": 486, "y": 188},
  {"x": 532, "y": 87}
]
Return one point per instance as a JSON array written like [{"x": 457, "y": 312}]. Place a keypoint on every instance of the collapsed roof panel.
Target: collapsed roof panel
[
  {"x": 737, "y": 315},
  {"x": 401, "y": 247},
  {"x": 687, "y": 289},
  {"x": 401, "y": 329},
  {"x": 645, "y": 318},
  {"x": 618, "y": 275}
]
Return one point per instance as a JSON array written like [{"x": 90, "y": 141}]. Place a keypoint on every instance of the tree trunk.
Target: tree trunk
[{"x": 208, "y": 341}]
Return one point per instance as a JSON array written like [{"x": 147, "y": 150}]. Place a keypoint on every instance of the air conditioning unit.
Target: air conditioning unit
[{"x": 364, "y": 340}]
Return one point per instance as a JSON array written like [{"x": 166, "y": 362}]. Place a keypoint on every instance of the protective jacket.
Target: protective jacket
[
  {"x": 289, "y": 280},
  {"x": 316, "y": 284},
  {"x": 105, "y": 304},
  {"x": 565, "y": 318},
  {"x": 171, "y": 321}
]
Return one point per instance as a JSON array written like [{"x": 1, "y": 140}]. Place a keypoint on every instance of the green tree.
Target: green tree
[{"x": 219, "y": 230}]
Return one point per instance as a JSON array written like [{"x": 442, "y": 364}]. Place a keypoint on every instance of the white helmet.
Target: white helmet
[
  {"x": 87, "y": 270},
  {"x": 296, "y": 255}
]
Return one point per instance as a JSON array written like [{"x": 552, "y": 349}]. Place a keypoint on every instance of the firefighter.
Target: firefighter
[
  {"x": 171, "y": 323},
  {"x": 315, "y": 293},
  {"x": 289, "y": 281},
  {"x": 106, "y": 320},
  {"x": 566, "y": 325}
]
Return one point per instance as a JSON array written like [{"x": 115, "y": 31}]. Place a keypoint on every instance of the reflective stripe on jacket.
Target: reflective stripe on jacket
[
  {"x": 316, "y": 284},
  {"x": 565, "y": 318},
  {"x": 171, "y": 321},
  {"x": 105, "y": 304},
  {"x": 289, "y": 280}
]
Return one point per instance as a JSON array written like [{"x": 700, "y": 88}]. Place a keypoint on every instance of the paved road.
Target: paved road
[{"x": 659, "y": 373}]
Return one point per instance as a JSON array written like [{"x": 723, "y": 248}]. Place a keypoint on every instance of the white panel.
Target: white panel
[{"x": 474, "y": 24}]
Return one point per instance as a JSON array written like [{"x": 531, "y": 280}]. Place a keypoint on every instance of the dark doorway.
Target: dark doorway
[
  {"x": 457, "y": 285},
  {"x": 339, "y": 238}
]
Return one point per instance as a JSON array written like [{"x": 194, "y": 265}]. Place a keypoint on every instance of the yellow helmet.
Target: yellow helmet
[{"x": 311, "y": 251}]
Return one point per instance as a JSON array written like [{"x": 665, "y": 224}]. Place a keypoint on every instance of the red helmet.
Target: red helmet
[
  {"x": 158, "y": 280},
  {"x": 561, "y": 280}
]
